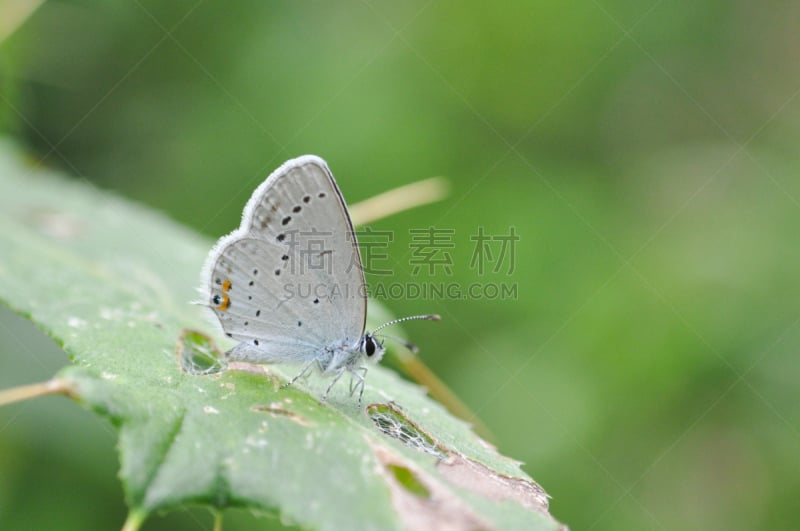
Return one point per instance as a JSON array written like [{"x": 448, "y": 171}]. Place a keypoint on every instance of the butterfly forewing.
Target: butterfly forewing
[{"x": 289, "y": 281}]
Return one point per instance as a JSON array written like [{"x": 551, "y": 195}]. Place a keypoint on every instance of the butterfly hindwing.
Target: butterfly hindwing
[{"x": 289, "y": 281}]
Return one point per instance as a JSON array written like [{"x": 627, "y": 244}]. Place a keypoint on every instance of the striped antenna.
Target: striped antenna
[{"x": 431, "y": 317}]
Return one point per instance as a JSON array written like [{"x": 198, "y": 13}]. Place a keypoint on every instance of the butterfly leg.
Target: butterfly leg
[
  {"x": 359, "y": 380},
  {"x": 339, "y": 374},
  {"x": 300, "y": 374}
]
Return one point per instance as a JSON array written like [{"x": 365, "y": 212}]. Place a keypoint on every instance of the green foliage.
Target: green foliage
[{"x": 111, "y": 282}]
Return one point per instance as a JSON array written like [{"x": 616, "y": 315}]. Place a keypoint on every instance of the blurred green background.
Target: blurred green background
[{"x": 645, "y": 153}]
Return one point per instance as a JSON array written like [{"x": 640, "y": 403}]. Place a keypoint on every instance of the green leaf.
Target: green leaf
[{"x": 113, "y": 282}]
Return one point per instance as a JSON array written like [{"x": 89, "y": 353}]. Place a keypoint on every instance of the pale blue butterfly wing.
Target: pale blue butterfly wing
[{"x": 288, "y": 283}]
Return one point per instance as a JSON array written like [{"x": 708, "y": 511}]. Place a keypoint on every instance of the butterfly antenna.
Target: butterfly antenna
[
  {"x": 431, "y": 317},
  {"x": 410, "y": 346}
]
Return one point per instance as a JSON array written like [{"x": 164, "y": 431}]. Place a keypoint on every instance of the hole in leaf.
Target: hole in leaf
[
  {"x": 393, "y": 422},
  {"x": 197, "y": 354},
  {"x": 406, "y": 478}
]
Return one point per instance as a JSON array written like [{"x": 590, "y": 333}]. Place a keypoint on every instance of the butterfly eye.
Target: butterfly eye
[{"x": 369, "y": 346}]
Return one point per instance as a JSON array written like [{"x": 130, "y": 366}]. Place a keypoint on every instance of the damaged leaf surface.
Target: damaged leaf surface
[{"x": 112, "y": 282}]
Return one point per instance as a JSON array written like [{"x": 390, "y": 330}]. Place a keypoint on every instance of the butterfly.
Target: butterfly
[{"x": 289, "y": 284}]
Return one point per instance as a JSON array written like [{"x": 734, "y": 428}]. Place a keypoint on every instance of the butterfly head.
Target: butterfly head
[{"x": 372, "y": 348}]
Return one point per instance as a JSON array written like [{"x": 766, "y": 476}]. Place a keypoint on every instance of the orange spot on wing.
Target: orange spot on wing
[
  {"x": 226, "y": 286},
  {"x": 226, "y": 301}
]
